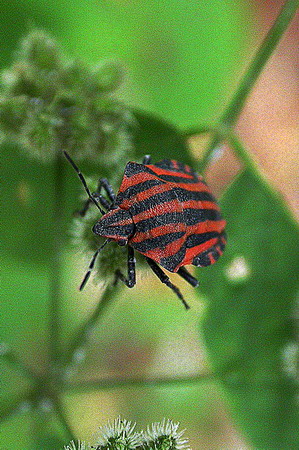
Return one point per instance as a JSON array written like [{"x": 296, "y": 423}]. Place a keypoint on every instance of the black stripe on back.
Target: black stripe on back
[
  {"x": 187, "y": 217},
  {"x": 184, "y": 195},
  {"x": 151, "y": 202},
  {"x": 157, "y": 242},
  {"x": 178, "y": 194},
  {"x": 201, "y": 238},
  {"x": 177, "y": 179},
  {"x": 144, "y": 226},
  {"x": 133, "y": 168},
  {"x": 132, "y": 191}
]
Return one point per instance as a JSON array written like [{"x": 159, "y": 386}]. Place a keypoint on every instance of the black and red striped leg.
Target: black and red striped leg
[
  {"x": 131, "y": 280},
  {"x": 165, "y": 279},
  {"x": 188, "y": 277}
]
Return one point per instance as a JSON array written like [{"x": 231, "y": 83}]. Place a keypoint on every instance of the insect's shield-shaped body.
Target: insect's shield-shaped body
[
  {"x": 165, "y": 212},
  {"x": 117, "y": 225}
]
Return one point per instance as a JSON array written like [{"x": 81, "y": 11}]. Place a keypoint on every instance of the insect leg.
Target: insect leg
[
  {"x": 80, "y": 175},
  {"x": 187, "y": 276},
  {"x": 164, "y": 278},
  {"x": 104, "y": 183},
  {"x": 131, "y": 280},
  {"x": 99, "y": 198},
  {"x": 147, "y": 159},
  {"x": 91, "y": 265},
  {"x": 84, "y": 209}
]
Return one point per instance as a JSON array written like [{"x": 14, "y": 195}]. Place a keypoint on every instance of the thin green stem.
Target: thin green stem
[
  {"x": 106, "y": 384},
  {"x": 234, "y": 108},
  {"x": 63, "y": 420},
  {"x": 84, "y": 329},
  {"x": 266, "y": 49},
  {"x": 242, "y": 153},
  {"x": 55, "y": 262},
  {"x": 19, "y": 365}
]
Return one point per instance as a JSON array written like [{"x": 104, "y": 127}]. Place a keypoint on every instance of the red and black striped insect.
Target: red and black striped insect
[{"x": 166, "y": 212}]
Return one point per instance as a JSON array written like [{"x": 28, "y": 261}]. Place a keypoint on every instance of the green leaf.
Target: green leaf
[
  {"x": 156, "y": 137},
  {"x": 249, "y": 325}
]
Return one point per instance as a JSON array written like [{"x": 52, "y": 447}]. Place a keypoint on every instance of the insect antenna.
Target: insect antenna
[
  {"x": 91, "y": 265},
  {"x": 80, "y": 175}
]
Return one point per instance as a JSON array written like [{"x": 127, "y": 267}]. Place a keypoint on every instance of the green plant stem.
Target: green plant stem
[
  {"x": 83, "y": 331},
  {"x": 63, "y": 420},
  {"x": 19, "y": 365},
  {"x": 106, "y": 384},
  {"x": 234, "y": 108},
  {"x": 242, "y": 154},
  {"x": 55, "y": 262}
]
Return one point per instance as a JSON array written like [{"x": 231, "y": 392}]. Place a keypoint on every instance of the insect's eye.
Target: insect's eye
[{"x": 122, "y": 242}]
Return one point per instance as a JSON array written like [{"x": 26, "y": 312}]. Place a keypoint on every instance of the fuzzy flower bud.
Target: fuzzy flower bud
[
  {"x": 164, "y": 436},
  {"x": 49, "y": 103},
  {"x": 118, "y": 435}
]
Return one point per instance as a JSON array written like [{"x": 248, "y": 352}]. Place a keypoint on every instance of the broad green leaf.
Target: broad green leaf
[
  {"x": 158, "y": 138},
  {"x": 249, "y": 325}
]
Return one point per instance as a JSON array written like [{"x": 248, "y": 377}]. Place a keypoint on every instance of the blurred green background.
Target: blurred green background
[{"x": 183, "y": 61}]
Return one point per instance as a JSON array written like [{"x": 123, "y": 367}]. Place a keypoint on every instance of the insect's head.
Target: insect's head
[{"x": 116, "y": 224}]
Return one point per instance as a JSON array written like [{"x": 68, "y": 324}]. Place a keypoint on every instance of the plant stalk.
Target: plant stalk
[
  {"x": 19, "y": 365},
  {"x": 106, "y": 384},
  {"x": 234, "y": 108},
  {"x": 63, "y": 420},
  {"x": 84, "y": 329},
  {"x": 56, "y": 263}
]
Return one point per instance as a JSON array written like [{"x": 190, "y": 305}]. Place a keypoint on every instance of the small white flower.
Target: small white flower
[
  {"x": 165, "y": 435},
  {"x": 119, "y": 434},
  {"x": 80, "y": 446}
]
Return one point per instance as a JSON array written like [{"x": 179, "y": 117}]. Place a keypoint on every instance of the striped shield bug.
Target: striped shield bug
[{"x": 166, "y": 212}]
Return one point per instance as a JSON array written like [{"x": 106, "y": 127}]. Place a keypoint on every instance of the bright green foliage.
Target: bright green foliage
[{"x": 250, "y": 318}]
